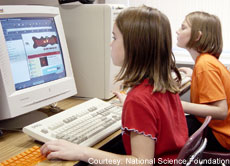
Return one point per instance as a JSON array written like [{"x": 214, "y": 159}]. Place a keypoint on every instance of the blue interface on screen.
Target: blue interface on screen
[{"x": 34, "y": 50}]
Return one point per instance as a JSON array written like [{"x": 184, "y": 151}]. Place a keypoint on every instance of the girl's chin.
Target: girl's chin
[{"x": 178, "y": 45}]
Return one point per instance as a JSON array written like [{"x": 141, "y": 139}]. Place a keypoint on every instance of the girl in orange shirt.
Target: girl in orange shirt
[{"x": 200, "y": 34}]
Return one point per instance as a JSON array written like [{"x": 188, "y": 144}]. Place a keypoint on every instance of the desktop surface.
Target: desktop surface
[{"x": 15, "y": 142}]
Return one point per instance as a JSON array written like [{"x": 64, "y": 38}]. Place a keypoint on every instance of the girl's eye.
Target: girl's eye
[
  {"x": 114, "y": 38},
  {"x": 183, "y": 27}
]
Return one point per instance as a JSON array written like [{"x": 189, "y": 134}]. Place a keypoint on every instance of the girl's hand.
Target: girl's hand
[
  {"x": 61, "y": 149},
  {"x": 121, "y": 97},
  {"x": 188, "y": 71}
]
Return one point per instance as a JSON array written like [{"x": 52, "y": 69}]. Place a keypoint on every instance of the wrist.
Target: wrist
[{"x": 84, "y": 156}]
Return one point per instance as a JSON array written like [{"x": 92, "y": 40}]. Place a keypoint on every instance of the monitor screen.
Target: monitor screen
[
  {"x": 34, "y": 50},
  {"x": 35, "y": 67}
]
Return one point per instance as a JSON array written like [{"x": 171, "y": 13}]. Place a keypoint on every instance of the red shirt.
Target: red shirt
[{"x": 159, "y": 116}]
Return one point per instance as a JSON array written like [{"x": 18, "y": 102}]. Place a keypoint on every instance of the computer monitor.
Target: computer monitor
[
  {"x": 35, "y": 68},
  {"x": 89, "y": 47}
]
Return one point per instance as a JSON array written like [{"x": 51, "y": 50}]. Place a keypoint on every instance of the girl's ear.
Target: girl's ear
[{"x": 199, "y": 35}]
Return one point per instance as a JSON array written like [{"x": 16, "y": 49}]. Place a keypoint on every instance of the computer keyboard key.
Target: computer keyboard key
[
  {"x": 30, "y": 157},
  {"x": 84, "y": 124}
]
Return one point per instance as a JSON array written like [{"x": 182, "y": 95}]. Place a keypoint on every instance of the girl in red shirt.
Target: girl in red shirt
[{"x": 153, "y": 122}]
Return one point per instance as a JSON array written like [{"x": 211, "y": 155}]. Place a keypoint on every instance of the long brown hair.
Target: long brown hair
[
  {"x": 210, "y": 40},
  {"x": 148, "y": 49}
]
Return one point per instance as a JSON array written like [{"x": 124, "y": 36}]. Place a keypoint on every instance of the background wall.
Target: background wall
[{"x": 176, "y": 11}]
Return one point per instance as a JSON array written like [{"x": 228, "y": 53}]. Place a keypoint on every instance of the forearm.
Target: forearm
[
  {"x": 204, "y": 110},
  {"x": 142, "y": 151},
  {"x": 102, "y": 158}
]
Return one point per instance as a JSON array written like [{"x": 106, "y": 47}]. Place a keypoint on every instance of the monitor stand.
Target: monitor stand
[{"x": 19, "y": 122}]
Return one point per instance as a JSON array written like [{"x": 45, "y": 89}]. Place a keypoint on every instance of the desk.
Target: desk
[{"x": 14, "y": 142}]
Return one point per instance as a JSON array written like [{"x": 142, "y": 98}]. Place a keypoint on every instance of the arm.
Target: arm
[
  {"x": 142, "y": 148},
  {"x": 121, "y": 97},
  {"x": 218, "y": 109}
]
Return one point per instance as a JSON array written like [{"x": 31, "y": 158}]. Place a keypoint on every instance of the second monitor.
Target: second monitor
[{"x": 88, "y": 30}]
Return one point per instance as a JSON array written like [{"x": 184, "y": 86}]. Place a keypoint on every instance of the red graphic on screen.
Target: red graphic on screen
[
  {"x": 44, "y": 61},
  {"x": 44, "y": 41}
]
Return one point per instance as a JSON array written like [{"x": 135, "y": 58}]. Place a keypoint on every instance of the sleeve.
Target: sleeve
[
  {"x": 210, "y": 87},
  {"x": 139, "y": 118}
]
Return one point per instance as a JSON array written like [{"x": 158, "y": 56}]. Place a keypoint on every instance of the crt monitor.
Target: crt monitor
[{"x": 35, "y": 68}]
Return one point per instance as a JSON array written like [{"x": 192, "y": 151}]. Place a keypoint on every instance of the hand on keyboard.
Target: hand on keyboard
[
  {"x": 186, "y": 71},
  {"x": 121, "y": 96},
  {"x": 184, "y": 77},
  {"x": 61, "y": 149}
]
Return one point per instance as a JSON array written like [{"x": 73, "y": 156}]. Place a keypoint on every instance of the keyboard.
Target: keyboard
[
  {"x": 30, "y": 157},
  {"x": 85, "y": 124}
]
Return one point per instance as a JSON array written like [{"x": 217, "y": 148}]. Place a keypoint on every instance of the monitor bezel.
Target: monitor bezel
[{"x": 32, "y": 98}]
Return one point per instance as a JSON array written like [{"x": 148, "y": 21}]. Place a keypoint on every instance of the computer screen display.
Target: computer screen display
[
  {"x": 35, "y": 67},
  {"x": 34, "y": 50}
]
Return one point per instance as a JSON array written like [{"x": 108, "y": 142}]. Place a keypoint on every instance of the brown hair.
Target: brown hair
[
  {"x": 148, "y": 49},
  {"x": 210, "y": 40}
]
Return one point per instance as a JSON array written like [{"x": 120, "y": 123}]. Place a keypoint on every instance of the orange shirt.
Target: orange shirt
[{"x": 210, "y": 83}]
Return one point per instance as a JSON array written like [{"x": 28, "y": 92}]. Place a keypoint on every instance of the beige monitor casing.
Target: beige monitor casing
[
  {"x": 18, "y": 102},
  {"x": 88, "y": 30}
]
